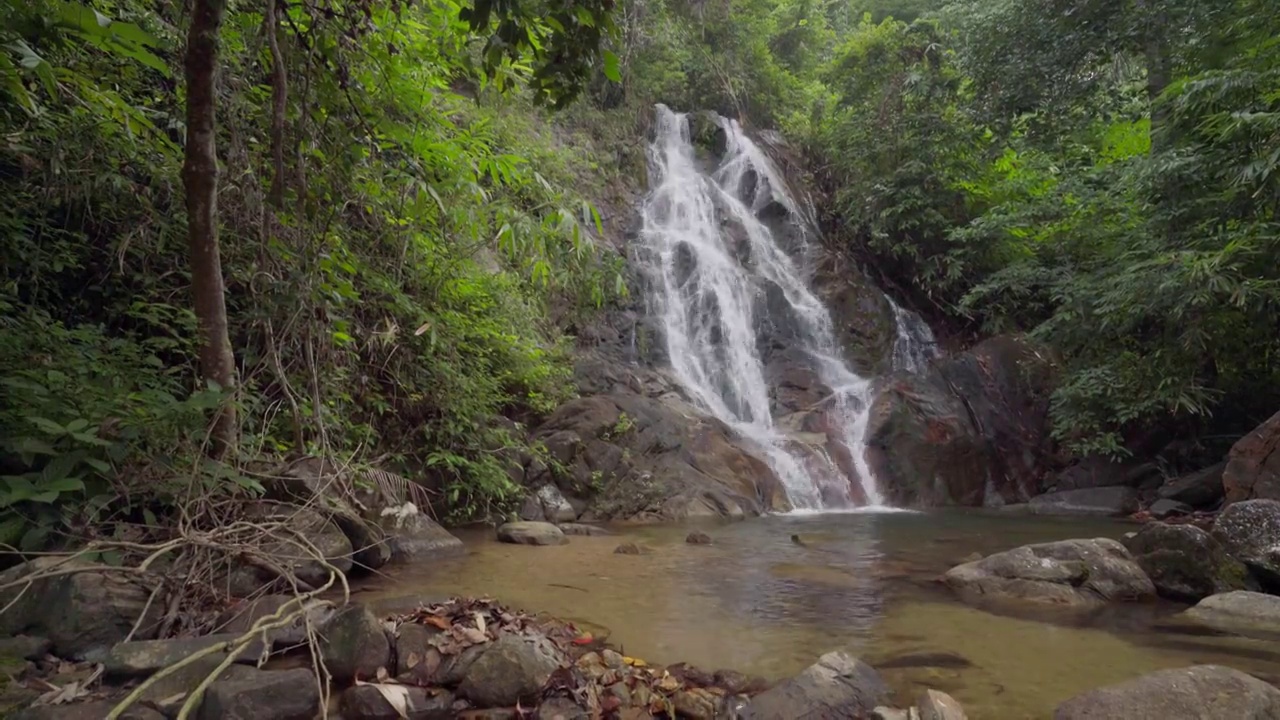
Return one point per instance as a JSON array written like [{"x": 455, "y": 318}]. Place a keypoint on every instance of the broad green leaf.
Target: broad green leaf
[{"x": 611, "y": 67}]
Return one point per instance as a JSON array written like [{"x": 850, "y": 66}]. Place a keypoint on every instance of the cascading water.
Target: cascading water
[
  {"x": 915, "y": 345},
  {"x": 713, "y": 259}
]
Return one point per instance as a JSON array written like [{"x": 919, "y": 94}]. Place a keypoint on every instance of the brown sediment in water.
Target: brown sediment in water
[{"x": 756, "y": 602}]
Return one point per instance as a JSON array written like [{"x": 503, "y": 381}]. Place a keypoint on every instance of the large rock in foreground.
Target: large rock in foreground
[
  {"x": 1080, "y": 573},
  {"x": 972, "y": 430},
  {"x": 1253, "y": 465},
  {"x": 1250, "y": 531},
  {"x": 1241, "y": 612},
  {"x": 79, "y": 612},
  {"x": 837, "y": 686},
  {"x": 512, "y": 669},
  {"x": 1186, "y": 563},
  {"x": 1202, "y": 692}
]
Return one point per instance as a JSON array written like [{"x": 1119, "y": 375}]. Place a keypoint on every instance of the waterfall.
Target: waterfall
[
  {"x": 915, "y": 345},
  {"x": 712, "y": 247}
]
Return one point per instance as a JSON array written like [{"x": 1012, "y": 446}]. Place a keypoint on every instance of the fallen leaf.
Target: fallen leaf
[
  {"x": 583, "y": 639},
  {"x": 412, "y": 661},
  {"x": 438, "y": 621},
  {"x": 634, "y": 662},
  {"x": 475, "y": 636},
  {"x": 480, "y": 624},
  {"x": 397, "y": 696}
]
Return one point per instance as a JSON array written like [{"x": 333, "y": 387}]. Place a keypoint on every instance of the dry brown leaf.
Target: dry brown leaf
[
  {"x": 437, "y": 621},
  {"x": 412, "y": 661},
  {"x": 474, "y": 635}
]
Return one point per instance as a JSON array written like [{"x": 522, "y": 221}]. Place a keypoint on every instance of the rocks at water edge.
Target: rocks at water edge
[
  {"x": 78, "y": 612},
  {"x": 511, "y": 669},
  {"x": 1200, "y": 489},
  {"x": 1250, "y": 531},
  {"x": 1193, "y": 693},
  {"x": 367, "y": 702},
  {"x": 145, "y": 657},
  {"x": 263, "y": 695},
  {"x": 242, "y": 616},
  {"x": 530, "y": 532},
  {"x": 582, "y": 529},
  {"x": 318, "y": 531},
  {"x": 698, "y": 538},
  {"x": 1241, "y": 612},
  {"x": 937, "y": 705},
  {"x": 354, "y": 644},
  {"x": 1186, "y": 563},
  {"x": 1253, "y": 465},
  {"x": 838, "y": 685},
  {"x": 1080, "y": 573},
  {"x": 1114, "y": 501}
]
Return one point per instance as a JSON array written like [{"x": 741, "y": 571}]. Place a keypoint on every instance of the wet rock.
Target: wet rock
[
  {"x": 24, "y": 647},
  {"x": 1108, "y": 501},
  {"x": 1200, "y": 489},
  {"x": 416, "y": 658},
  {"x": 144, "y": 657},
  {"x": 513, "y": 668},
  {"x": 1253, "y": 465},
  {"x": 554, "y": 507},
  {"x": 78, "y": 612},
  {"x": 612, "y": 659},
  {"x": 1185, "y": 563},
  {"x": 582, "y": 529},
  {"x": 1069, "y": 572},
  {"x": 531, "y": 533},
  {"x": 736, "y": 683},
  {"x": 263, "y": 695},
  {"x": 1098, "y": 471},
  {"x": 1250, "y": 531},
  {"x": 322, "y": 533},
  {"x": 887, "y": 713},
  {"x": 937, "y": 705},
  {"x": 531, "y": 509},
  {"x": 239, "y": 618},
  {"x": 1192, "y": 693},
  {"x": 698, "y": 538},
  {"x": 559, "y": 708},
  {"x": 971, "y": 430},
  {"x": 366, "y": 702},
  {"x": 696, "y": 704},
  {"x": 1164, "y": 508},
  {"x": 631, "y": 548},
  {"x": 838, "y": 685},
  {"x": 1241, "y": 612},
  {"x": 414, "y": 537},
  {"x": 86, "y": 711},
  {"x": 354, "y": 645}
]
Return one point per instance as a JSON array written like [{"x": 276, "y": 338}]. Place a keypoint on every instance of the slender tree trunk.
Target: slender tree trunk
[
  {"x": 1155, "y": 50},
  {"x": 279, "y": 104},
  {"x": 200, "y": 181}
]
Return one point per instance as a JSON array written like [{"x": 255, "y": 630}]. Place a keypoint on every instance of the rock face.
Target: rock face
[
  {"x": 1186, "y": 563},
  {"x": 239, "y": 618},
  {"x": 1250, "y": 531},
  {"x": 1080, "y": 573},
  {"x": 512, "y": 668},
  {"x": 1253, "y": 465},
  {"x": 630, "y": 455},
  {"x": 78, "y": 612},
  {"x": 1107, "y": 501},
  {"x": 555, "y": 508},
  {"x": 838, "y": 685},
  {"x": 1200, "y": 489},
  {"x": 1241, "y": 612},
  {"x": 531, "y": 533},
  {"x": 321, "y": 532},
  {"x": 972, "y": 430},
  {"x": 1097, "y": 471},
  {"x": 1194, "y": 693},
  {"x": 263, "y": 695}
]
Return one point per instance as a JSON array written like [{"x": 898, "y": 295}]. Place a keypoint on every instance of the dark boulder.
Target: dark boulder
[
  {"x": 367, "y": 702},
  {"x": 1106, "y": 501},
  {"x": 1253, "y": 465},
  {"x": 353, "y": 644},
  {"x": 1200, "y": 489},
  {"x": 1241, "y": 612},
  {"x": 511, "y": 669},
  {"x": 289, "y": 547},
  {"x": 1098, "y": 471},
  {"x": 1193, "y": 693},
  {"x": 837, "y": 686},
  {"x": 1186, "y": 563},
  {"x": 1164, "y": 508},
  {"x": 263, "y": 695}
]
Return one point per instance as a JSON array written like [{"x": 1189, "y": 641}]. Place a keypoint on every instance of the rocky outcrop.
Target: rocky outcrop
[
  {"x": 972, "y": 430},
  {"x": 1106, "y": 501},
  {"x": 1202, "y": 691},
  {"x": 860, "y": 314},
  {"x": 79, "y": 612},
  {"x": 1250, "y": 531},
  {"x": 633, "y": 456},
  {"x": 1080, "y": 573},
  {"x": 1253, "y": 465},
  {"x": 1186, "y": 563},
  {"x": 1241, "y": 612},
  {"x": 1200, "y": 489},
  {"x": 838, "y": 685}
]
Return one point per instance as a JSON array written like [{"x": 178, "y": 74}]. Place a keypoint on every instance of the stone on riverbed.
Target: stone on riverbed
[
  {"x": 1192, "y": 693},
  {"x": 582, "y": 529},
  {"x": 512, "y": 669},
  {"x": 531, "y": 533},
  {"x": 239, "y": 618},
  {"x": 263, "y": 695},
  {"x": 937, "y": 705},
  {"x": 1250, "y": 531},
  {"x": 838, "y": 685},
  {"x": 144, "y": 657},
  {"x": 698, "y": 538},
  {"x": 1186, "y": 563},
  {"x": 631, "y": 548},
  {"x": 1111, "y": 501},
  {"x": 1081, "y": 573},
  {"x": 366, "y": 702},
  {"x": 1241, "y": 612},
  {"x": 354, "y": 645}
]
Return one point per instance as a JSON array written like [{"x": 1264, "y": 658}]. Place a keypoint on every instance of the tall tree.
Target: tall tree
[{"x": 200, "y": 182}]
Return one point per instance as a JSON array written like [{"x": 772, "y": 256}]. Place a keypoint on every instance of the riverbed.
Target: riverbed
[{"x": 759, "y": 602}]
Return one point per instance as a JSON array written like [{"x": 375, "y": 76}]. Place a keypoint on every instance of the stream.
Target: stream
[{"x": 756, "y": 602}]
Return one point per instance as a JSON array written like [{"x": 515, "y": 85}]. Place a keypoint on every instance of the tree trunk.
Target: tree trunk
[
  {"x": 200, "y": 181},
  {"x": 1155, "y": 50}
]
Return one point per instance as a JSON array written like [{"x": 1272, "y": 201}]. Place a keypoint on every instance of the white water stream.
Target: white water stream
[{"x": 712, "y": 258}]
